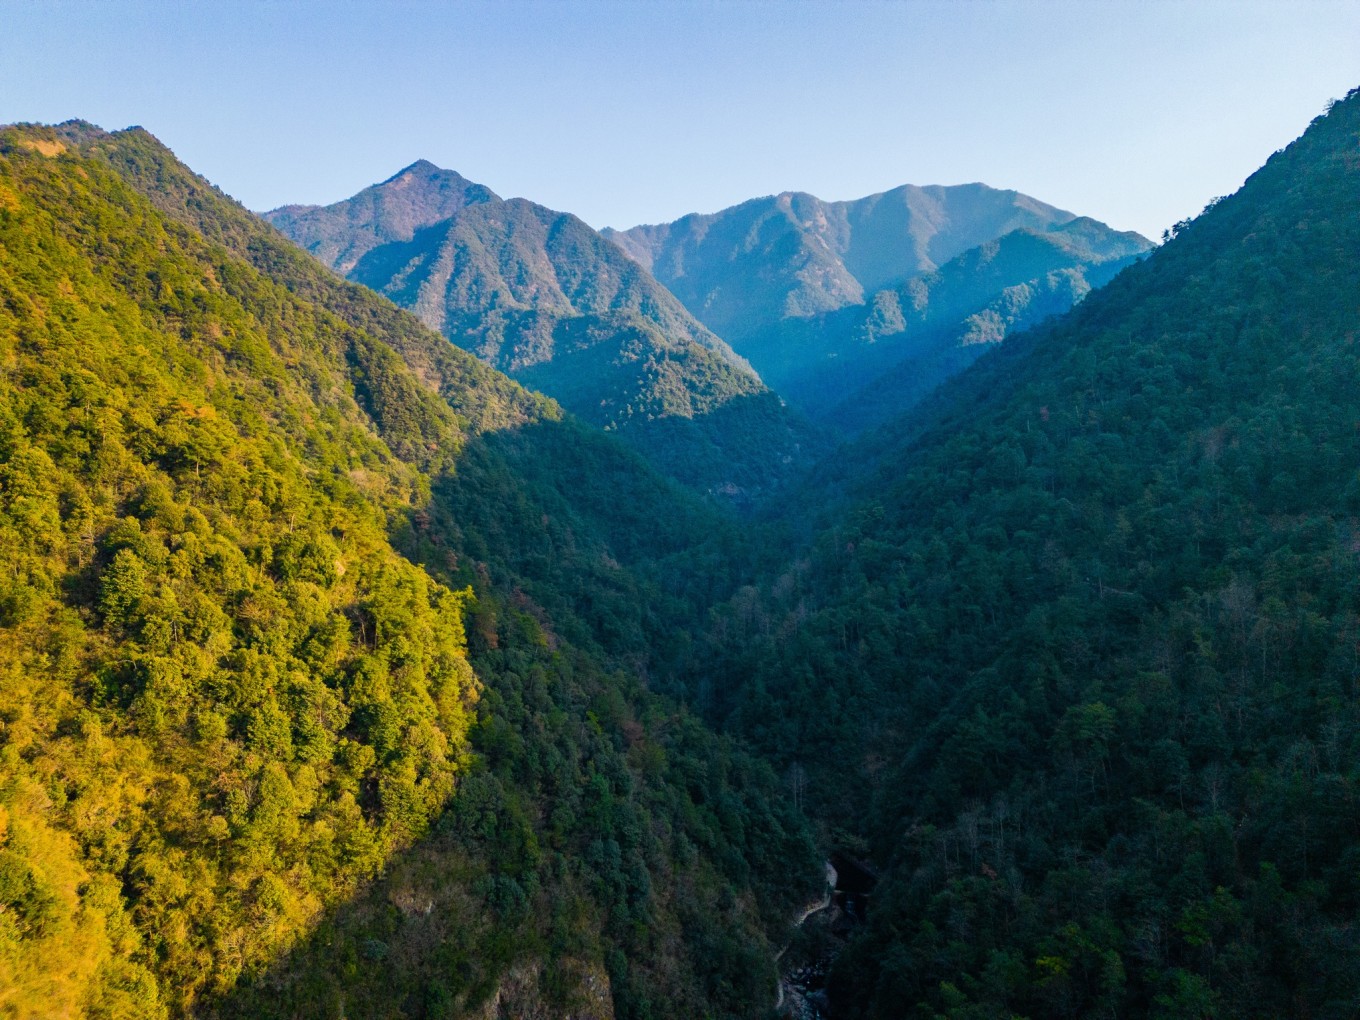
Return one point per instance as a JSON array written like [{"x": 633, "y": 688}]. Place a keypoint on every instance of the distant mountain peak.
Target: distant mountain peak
[
  {"x": 417, "y": 196},
  {"x": 542, "y": 296},
  {"x": 423, "y": 169}
]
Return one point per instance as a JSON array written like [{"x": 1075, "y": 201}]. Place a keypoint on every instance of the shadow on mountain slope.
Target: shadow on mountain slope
[{"x": 606, "y": 855}]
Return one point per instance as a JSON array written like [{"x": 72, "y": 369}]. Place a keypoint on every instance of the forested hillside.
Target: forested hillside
[
  {"x": 302, "y": 634},
  {"x": 540, "y": 295},
  {"x": 1079, "y": 667}
]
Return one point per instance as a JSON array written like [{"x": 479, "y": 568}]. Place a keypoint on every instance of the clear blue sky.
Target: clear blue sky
[{"x": 1136, "y": 113}]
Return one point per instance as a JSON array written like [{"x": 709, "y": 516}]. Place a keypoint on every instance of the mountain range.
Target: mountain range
[
  {"x": 825, "y": 299},
  {"x": 848, "y": 311},
  {"x": 793, "y": 254}
]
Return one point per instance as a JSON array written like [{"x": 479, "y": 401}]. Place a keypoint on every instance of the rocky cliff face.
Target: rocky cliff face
[{"x": 521, "y": 995}]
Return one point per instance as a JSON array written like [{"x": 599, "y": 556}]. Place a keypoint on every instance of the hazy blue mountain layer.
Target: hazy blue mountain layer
[
  {"x": 793, "y": 254},
  {"x": 890, "y": 291},
  {"x": 863, "y": 365}
]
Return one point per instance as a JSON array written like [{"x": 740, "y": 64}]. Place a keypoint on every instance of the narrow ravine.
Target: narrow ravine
[{"x": 790, "y": 998}]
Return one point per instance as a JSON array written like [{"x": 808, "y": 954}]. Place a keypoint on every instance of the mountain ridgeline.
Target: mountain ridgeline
[
  {"x": 1077, "y": 665},
  {"x": 317, "y": 696},
  {"x": 794, "y": 254},
  {"x": 541, "y": 296},
  {"x": 853, "y": 311}
]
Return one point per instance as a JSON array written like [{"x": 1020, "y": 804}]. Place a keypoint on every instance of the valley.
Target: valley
[{"x": 939, "y": 604}]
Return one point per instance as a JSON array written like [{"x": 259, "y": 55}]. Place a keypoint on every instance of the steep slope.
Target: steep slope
[
  {"x": 541, "y": 296},
  {"x": 791, "y": 255},
  {"x": 1078, "y": 666},
  {"x": 246, "y": 510}
]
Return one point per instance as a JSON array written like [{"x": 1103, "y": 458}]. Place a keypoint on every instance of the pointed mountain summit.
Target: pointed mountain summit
[
  {"x": 823, "y": 297},
  {"x": 542, "y": 296},
  {"x": 417, "y": 196}
]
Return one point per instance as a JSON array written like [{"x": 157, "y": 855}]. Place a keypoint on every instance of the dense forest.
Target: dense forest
[{"x": 343, "y": 676}]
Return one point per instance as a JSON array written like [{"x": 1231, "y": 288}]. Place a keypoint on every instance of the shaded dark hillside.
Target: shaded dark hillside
[
  {"x": 543, "y": 297},
  {"x": 281, "y": 614},
  {"x": 1079, "y": 669}
]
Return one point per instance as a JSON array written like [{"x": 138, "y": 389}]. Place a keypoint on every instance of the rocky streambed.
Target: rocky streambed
[{"x": 821, "y": 930}]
